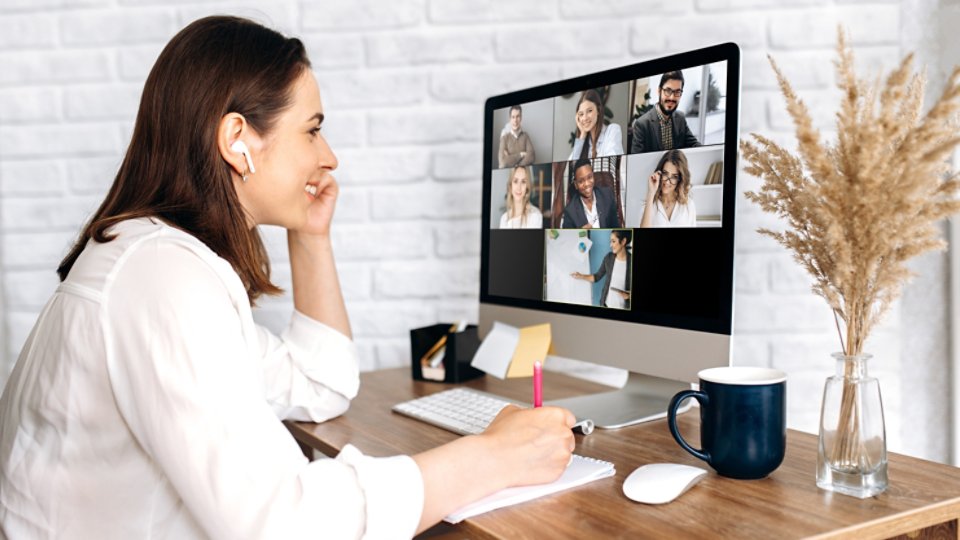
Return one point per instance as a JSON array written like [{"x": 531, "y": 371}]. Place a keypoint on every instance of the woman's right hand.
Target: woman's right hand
[
  {"x": 653, "y": 185},
  {"x": 533, "y": 446},
  {"x": 581, "y": 127}
]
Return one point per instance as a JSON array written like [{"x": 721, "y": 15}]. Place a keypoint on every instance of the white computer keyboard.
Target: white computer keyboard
[
  {"x": 464, "y": 411},
  {"x": 460, "y": 410}
]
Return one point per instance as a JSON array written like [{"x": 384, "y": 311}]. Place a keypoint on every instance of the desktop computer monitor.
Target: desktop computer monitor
[{"x": 608, "y": 212}]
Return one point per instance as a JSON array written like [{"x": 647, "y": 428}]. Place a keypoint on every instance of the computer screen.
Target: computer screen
[{"x": 608, "y": 212}]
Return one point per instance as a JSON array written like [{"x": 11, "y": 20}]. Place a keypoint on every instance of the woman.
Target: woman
[
  {"x": 616, "y": 264},
  {"x": 147, "y": 403},
  {"x": 668, "y": 202},
  {"x": 520, "y": 213},
  {"x": 593, "y": 138}
]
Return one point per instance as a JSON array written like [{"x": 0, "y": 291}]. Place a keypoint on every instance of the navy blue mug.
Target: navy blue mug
[{"x": 743, "y": 420}]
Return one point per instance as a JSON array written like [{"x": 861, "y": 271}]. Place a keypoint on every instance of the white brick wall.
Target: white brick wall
[{"x": 403, "y": 83}]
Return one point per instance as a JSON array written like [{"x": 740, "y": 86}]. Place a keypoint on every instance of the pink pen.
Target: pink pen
[{"x": 537, "y": 384}]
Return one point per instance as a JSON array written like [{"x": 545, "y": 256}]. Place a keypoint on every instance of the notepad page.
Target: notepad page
[{"x": 582, "y": 470}]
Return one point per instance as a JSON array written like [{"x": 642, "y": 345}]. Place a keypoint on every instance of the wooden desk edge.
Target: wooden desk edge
[
  {"x": 942, "y": 516},
  {"x": 905, "y": 523},
  {"x": 308, "y": 441}
]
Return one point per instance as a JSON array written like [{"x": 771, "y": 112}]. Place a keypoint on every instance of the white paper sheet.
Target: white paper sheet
[{"x": 497, "y": 350}]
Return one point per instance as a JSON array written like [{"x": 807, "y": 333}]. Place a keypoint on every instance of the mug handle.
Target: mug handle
[{"x": 672, "y": 420}]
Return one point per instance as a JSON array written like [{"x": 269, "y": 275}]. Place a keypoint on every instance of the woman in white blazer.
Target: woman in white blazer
[
  {"x": 594, "y": 138},
  {"x": 146, "y": 402}
]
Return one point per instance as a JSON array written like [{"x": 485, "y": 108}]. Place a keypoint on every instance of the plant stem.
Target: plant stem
[
  {"x": 836, "y": 320},
  {"x": 849, "y": 453}
]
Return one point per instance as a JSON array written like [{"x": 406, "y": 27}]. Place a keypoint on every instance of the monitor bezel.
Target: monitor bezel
[{"x": 728, "y": 52}]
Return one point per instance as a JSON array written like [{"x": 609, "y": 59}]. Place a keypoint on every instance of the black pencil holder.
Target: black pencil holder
[{"x": 459, "y": 350}]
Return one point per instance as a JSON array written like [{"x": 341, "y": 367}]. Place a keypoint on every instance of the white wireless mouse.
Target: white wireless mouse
[{"x": 659, "y": 483}]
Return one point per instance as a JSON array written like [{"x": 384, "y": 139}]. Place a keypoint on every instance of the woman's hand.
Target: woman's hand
[
  {"x": 520, "y": 447},
  {"x": 534, "y": 445},
  {"x": 582, "y": 130},
  {"x": 653, "y": 185},
  {"x": 320, "y": 211}
]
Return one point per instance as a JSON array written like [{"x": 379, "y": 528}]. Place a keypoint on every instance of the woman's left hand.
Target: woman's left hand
[{"x": 320, "y": 211}]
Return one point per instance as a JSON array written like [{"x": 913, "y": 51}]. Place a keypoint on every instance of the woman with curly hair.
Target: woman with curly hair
[{"x": 669, "y": 203}]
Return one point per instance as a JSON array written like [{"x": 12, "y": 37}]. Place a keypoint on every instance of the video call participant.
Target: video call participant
[
  {"x": 147, "y": 403},
  {"x": 664, "y": 127},
  {"x": 669, "y": 203},
  {"x": 515, "y": 145},
  {"x": 520, "y": 213},
  {"x": 616, "y": 264},
  {"x": 592, "y": 207},
  {"x": 594, "y": 139}
]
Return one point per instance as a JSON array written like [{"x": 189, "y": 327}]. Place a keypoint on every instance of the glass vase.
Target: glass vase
[{"x": 852, "y": 451}]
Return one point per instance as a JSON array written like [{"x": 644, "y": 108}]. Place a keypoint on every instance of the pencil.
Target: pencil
[{"x": 437, "y": 346}]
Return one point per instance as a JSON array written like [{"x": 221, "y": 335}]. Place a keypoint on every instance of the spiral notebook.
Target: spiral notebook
[{"x": 582, "y": 470}]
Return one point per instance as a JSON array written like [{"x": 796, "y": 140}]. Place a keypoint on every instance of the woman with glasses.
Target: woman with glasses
[{"x": 668, "y": 201}]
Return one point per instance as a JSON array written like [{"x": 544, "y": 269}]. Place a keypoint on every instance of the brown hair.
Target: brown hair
[
  {"x": 679, "y": 160},
  {"x": 593, "y": 97},
  {"x": 173, "y": 169}
]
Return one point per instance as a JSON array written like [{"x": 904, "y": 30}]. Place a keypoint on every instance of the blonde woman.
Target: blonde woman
[
  {"x": 669, "y": 203},
  {"x": 520, "y": 213},
  {"x": 594, "y": 139}
]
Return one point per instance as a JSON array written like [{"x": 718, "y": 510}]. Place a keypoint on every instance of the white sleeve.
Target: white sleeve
[
  {"x": 311, "y": 372},
  {"x": 691, "y": 212},
  {"x": 612, "y": 141},
  {"x": 503, "y": 220},
  {"x": 190, "y": 392}
]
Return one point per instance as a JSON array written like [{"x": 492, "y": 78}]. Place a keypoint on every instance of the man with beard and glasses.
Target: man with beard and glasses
[{"x": 664, "y": 127}]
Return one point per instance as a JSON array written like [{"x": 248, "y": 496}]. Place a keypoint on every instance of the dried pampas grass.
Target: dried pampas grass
[{"x": 859, "y": 209}]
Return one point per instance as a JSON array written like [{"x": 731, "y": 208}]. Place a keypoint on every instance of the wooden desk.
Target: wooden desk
[{"x": 787, "y": 504}]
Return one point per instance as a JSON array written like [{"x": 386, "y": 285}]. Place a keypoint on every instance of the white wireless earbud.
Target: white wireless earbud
[{"x": 240, "y": 146}]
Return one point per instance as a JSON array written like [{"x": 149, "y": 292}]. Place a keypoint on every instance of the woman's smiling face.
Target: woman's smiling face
[
  {"x": 519, "y": 185},
  {"x": 586, "y": 116},
  {"x": 290, "y": 161}
]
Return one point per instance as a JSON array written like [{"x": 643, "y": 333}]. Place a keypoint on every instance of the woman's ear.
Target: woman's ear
[{"x": 233, "y": 128}]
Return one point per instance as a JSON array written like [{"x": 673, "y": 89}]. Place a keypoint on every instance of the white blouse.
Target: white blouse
[
  {"x": 684, "y": 215},
  {"x": 618, "y": 280},
  {"x": 534, "y": 220},
  {"x": 146, "y": 403},
  {"x": 609, "y": 143}
]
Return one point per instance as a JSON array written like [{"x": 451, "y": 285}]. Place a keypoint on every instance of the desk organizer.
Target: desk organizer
[{"x": 460, "y": 348}]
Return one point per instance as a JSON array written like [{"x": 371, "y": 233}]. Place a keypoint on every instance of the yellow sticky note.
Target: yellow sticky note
[{"x": 533, "y": 345}]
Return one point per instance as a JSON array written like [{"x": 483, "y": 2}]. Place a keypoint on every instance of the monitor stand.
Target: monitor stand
[{"x": 642, "y": 399}]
